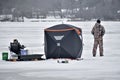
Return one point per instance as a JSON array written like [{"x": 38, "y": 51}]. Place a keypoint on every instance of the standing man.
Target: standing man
[{"x": 98, "y": 32}]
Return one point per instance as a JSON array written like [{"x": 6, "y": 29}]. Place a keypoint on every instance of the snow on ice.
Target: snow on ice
[{"x": 31, "y": 34}]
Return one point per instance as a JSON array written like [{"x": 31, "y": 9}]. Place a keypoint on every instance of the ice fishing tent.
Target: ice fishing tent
[{"x": 63, "y": 41}]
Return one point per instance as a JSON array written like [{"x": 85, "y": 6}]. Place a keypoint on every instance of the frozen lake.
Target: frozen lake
[{"x": 31, "y": 34}]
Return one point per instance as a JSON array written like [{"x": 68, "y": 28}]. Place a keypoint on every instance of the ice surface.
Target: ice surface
[{"x": 31, "y": 34}]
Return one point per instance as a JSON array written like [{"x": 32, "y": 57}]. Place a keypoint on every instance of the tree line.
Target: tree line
[{"x": 83, "y": 9}]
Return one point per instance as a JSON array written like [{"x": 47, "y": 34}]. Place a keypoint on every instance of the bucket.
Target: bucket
[
  {"x": 5, "y": 56},
  {"x": 23, "y": 52}
]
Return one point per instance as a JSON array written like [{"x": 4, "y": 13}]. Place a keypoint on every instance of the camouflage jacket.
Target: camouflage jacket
[{"x": 98, "y": 31}]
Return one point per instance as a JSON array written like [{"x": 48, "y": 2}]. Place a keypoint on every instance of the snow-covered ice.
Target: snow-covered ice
[{"x": 31, "y": 34}]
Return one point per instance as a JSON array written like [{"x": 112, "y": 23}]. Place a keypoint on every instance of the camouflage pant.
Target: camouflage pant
[{"x": 96, "y": 43}]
